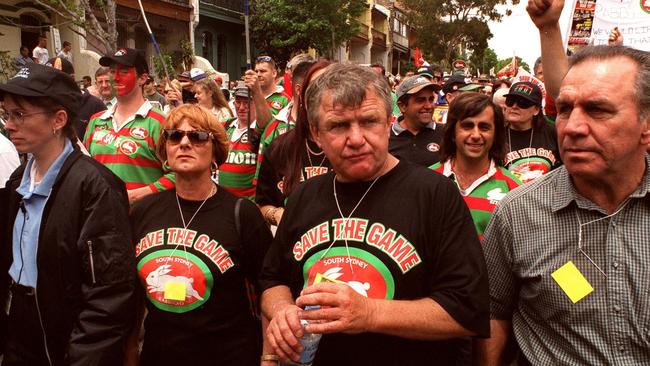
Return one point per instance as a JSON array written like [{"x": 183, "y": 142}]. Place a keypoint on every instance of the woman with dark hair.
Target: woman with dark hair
[
  {"x": 66, "y": 255},
  {"x": 472, "y": 154},
  {"x": 292, "y": 158},
  {"x": 210, "y": 97},
  {"x": 532, "y": 141},
  {"x": 199, "y": 250}
]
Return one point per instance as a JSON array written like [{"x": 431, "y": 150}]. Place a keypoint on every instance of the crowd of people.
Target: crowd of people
[{"x": 433, "y": 219}]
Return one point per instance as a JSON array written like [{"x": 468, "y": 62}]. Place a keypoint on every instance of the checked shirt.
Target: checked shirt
[{"x": 533, "y": 232}]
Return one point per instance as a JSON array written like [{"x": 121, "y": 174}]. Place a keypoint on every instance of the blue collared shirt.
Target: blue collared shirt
[{"x": 24, "y": 269}]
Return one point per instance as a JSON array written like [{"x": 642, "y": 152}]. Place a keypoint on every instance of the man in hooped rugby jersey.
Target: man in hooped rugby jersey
[{"x": 124, "y": 137}]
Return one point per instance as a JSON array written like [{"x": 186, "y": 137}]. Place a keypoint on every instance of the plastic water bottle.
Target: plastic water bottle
[{"x": 309, "y": 341}]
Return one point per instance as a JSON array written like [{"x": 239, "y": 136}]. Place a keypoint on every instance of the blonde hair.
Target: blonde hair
[
  {"x": 218, "y": 100},
  {"x": 201, "y": 119}
]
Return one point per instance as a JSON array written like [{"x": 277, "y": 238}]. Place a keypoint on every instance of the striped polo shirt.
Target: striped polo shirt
[
  {"x": 129, "y": 151},
  {"x": 483, "y": 195}
]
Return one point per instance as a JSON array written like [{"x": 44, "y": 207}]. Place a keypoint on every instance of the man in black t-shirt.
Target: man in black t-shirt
[
  {"x": 385, "y": 248},
  {"x": 415, "y": 137}
]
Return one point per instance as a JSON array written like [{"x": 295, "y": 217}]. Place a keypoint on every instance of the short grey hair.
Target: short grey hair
[
  {"x": 640, "y": 58},
  {"x": 348, "y": 85}
]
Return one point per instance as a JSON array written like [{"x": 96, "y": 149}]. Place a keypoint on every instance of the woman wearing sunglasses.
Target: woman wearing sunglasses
[
  {"x": 532, "y": 141},
  {"x": 198, "y": 251}
]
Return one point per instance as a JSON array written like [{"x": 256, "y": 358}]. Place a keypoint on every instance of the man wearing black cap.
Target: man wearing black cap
[
  {"x": 124, "y": 137},
  {"x": 236, "y": 174},
  {"x": 415, "y": 137},
  {"x": 66, "y": 254},
  {"x": 533, "y": 149},
  {"x": 450, "y": 89}
]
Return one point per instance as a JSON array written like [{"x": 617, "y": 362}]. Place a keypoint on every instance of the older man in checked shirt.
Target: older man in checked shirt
[{"x": 568, "y": 254}]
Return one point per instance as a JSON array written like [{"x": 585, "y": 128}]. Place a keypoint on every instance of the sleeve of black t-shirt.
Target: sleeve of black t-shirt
[
  {"x": 267, "y": 191},
  {"x": 460, "y": 282},
  {"x": 256, "y": 238}
]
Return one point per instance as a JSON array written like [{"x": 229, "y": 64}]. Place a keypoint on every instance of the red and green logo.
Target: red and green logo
[
  {"x": 166, "y": 271},
  {"x": 529, "y": 169},
  {"x": 357, "y": 268},
  {"x": 645, "y": 5}
]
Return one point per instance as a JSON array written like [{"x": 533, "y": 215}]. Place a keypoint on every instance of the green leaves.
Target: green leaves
[
  {"x": 448, "y": 29},
  {"x": 281, "y": 28}
]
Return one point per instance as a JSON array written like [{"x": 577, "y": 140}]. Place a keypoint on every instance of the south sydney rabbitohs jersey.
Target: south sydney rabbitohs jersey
[
  {"x": 130, "y": 152},
  {"x": 398, "y": 247},
  {"x": 237, "y": 173},
  {"x": 484, "y": 194},
  {"x": 530, "y": 160},
  {"x": 277, "y": 100}
]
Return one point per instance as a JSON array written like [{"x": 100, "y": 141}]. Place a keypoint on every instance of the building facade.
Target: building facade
[
  {"x": 219, "y": 36},
  {"x": 171, "y": 21}
]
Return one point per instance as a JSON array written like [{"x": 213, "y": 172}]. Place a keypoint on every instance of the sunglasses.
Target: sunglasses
[
  {"x": 264, "y": 59},
  {"x": 522, "y": 103},
  {"x": 175, "y": 136}
]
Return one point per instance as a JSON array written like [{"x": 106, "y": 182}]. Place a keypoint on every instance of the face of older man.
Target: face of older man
[
  {"x": 355, "y": 139},
  {"x": 598, "y": 125}
]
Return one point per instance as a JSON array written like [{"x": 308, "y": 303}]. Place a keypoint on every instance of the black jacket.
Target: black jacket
[{"x": 86, "y": 264}]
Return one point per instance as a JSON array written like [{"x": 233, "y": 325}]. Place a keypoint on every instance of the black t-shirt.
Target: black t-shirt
[
  {"x": 411, "y": 237},
  {"x": 270, "y": 181},
  {"x": 421, "y": 149},
  {"x": 212, "y": 322},
  {"x": 530, "y": 159}
]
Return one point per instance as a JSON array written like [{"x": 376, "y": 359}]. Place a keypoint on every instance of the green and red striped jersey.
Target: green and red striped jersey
[
  {"x": 130, "y": 151},
  {"x": 237, "y": 172},
  {"x": 282, "y": 123},
  {"x": 277, "y": 100},
  {"x": 484, "y": 194}
]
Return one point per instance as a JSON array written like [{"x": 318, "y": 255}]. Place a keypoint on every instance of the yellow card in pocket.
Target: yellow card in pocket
[
  {"x": 175, "y": 291},
  {"x": 572, "y": 282}
]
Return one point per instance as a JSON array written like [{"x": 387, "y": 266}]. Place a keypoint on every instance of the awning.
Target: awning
[{"x": 382, "y": 9}]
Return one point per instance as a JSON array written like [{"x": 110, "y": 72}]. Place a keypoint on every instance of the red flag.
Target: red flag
[
  {"x": 510, "y": 69},
  {"x": 417, "y": 57}
]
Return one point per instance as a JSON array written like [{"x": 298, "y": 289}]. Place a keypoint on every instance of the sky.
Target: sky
[{"x": 518, "y": 35}]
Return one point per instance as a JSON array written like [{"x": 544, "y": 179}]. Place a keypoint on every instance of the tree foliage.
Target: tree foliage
[
  {"x": 81, "y": 13},
  {"x": 281, "y": 28},
  {"x": 483, "y": 61},
  {"x": 446, "y": 28}
]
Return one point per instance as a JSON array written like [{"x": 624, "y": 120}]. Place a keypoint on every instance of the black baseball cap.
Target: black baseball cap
[
  {"x": 62, "y": 64},
  {"x": 128, "y": 57},
  {"x": 526, "y": 90},
  {"x": 36, "y": 80},
  {"x": 454, "y": 83}
]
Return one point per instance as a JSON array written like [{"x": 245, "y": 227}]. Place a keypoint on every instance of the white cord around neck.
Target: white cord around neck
[
  {"x": 345, "y": 220},
  {"x": 581, "y": 225}
]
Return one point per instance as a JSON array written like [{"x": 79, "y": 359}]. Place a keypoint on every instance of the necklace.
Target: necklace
[
  {"x": 530, "y": 144},
  {"x": 310, "y": 153},
  {"x": 345, "y": 220},
  {"x": 213, "y": 190}
]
